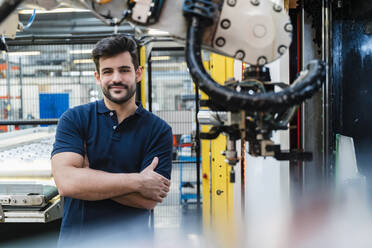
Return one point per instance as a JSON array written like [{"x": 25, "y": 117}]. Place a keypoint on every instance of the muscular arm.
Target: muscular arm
[
  {"x": 75, "y": 179},
  {"x": 135, "y": 200}
]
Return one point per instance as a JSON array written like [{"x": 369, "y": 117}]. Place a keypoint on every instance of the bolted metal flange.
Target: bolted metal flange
[
  {"x": 262, "y": 61},
  {"x": 277, "y": 8},
  {"x": 240, "y": 54},
  {"x": 231, "y": 3},
  {"x": 220, "y": 41},
  {"x": 288, "y": 27},
  {"x": 255, "y": 2},
  {"x": 225, "y": 23},
  {"x": 282, "y": 49}
]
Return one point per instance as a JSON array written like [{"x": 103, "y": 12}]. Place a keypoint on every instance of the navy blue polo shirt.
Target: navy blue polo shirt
[{"x": 125, "y": 147}]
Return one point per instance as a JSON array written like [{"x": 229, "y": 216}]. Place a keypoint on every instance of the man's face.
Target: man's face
[{"x": 118, "y": 78}]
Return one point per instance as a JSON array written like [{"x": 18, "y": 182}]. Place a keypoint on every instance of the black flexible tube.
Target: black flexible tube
[
  {"x": 303, "y": 88},
  {"x": 7, "y": 7}
]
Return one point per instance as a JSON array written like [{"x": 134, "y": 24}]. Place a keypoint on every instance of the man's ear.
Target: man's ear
[
  {"x": 98, "y": 79},
  {"x": 139, "y": 73}
]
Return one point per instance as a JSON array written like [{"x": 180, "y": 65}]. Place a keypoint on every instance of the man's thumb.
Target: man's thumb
[{"x": 154, "y": 163}]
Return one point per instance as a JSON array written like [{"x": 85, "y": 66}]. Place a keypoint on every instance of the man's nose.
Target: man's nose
[{"x": 116, "y": 77}]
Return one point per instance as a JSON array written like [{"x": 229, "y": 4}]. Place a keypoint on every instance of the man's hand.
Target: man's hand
[{"x": 153, "y": 185}]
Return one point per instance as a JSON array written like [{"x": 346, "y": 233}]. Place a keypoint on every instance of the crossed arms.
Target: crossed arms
[{"x": 75, "y": 179}]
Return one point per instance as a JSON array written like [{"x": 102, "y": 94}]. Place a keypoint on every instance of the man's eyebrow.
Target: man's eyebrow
[{"x": 125, "y": 67}]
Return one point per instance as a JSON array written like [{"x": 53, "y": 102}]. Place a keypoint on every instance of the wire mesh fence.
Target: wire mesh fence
[
  {"x": 42, "y": 81},
  {"x": 173, "y": 99}
]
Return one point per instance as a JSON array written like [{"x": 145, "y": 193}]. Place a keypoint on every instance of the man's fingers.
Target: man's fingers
[
  {"x": 166, "y": 181},
  {"x": 153, "y": 164}
]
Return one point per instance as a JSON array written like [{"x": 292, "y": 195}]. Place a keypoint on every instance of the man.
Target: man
[{"x": 111, "y": 159}]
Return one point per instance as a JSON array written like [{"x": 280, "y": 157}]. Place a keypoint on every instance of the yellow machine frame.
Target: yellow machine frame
[{"x": 218, "y": 208}]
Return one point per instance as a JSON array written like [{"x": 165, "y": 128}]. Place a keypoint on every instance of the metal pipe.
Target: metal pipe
[
  {"x": 242, "y": 162},
  {"x": 8, "y": 84},
  {"x": 29, "y": 122},
  {"x": 197, "y": 149},
  {"x": 149, "y": 81},
  {"x": 326, "y": 90},
  {"x": 20, "y": 87},
  {"x": 208, "y": 117}
]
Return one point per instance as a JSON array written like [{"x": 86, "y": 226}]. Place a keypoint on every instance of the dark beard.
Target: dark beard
[{"x": 130, "y": 93}]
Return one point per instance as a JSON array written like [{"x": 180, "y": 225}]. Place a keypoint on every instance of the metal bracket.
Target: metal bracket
[
  {"x": 204, "y": 9},
  {"x": 2, "y": 215},
  {"x": 289, "y": 155}
]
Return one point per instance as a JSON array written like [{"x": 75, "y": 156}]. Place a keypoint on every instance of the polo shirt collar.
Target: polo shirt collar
[{"x": 103, "y": 109}]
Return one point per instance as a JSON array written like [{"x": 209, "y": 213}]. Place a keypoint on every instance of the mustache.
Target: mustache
[{"x": 118, "y": 84}]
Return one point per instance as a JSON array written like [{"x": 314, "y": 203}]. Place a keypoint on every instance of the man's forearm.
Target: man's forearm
[
  {"x": 135, "y": 200},
  {"x": 93, "y": 185},
  {"x": 89, "y": 184}
]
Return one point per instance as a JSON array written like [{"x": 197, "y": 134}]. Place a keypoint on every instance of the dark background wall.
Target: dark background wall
[{"x": 352, "y": 78}]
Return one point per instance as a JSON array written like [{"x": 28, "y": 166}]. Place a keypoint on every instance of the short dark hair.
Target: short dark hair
[{"x": 113, "y": 45}]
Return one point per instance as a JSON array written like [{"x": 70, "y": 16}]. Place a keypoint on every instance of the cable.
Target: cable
[
  {"x": 304, "y": 87},
  {"x": 31, "y": 20}
]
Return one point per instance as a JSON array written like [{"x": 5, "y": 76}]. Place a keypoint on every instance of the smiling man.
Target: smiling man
[{"x": 111, "y": 159}]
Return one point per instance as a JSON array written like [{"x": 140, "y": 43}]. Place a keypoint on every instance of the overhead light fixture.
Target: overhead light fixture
[
  {"x": 157, "y": 58},
  {"x": 58, "y": 10},
  {"x": 155, "y": 32},
  {"x": 80, "y": 51},
  {"x": 83, "y": 61},
  {"x": 23, "y": 53}
]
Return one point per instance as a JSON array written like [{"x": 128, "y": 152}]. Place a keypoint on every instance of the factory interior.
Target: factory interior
[{"x": 267, "y": 101}]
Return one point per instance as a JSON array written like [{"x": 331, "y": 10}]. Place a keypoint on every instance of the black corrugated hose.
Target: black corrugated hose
[{"x": 303, "y": 88}]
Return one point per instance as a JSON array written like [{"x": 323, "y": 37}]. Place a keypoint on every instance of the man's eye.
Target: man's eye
[
  {"x": 106, "y": 72},
  {"x": 125, "y": 70}
]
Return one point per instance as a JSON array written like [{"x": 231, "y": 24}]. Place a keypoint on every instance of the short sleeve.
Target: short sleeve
[
  {"x": 69, "y": 136},
  {"x": 161, "y": 147}
]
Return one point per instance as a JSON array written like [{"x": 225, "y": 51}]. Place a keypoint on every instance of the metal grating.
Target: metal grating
[{"x": 173, "y": 99}]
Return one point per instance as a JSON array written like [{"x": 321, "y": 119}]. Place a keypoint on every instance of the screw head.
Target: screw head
[
  {"x": 282, "y": 49},
  {"x": 277, "y": 8},
  {"x": 220, "y": 41},
  {"x": 240, "y": 54},
  {"x": 225, "y": 23},
  {"x": 255, "y": 2},
  {"x": 288, "y": 27},
  {"x": 262, "y": 60},
  {"x": 231, "y": 3}
]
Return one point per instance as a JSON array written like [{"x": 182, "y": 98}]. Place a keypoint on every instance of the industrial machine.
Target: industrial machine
[
  {"x": 256, "y": 32},
  {"x": 27, "y": 191},
  {"x": 251, "y": 109}
]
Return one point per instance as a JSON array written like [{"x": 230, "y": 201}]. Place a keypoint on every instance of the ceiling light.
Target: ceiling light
[
  {"x": 80, "y": 51},
  {"x": 156, "y": 32},
  {"x": 83, "y": 61},
  {"x": 58, "y": 10},
  {"x": 157, "y": 58},
  {"x": 24, "y": 53}
]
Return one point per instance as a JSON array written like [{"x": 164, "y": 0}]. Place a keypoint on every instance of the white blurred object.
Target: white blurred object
[
  {"x": 346, "y": 164},
  {"x": 9, "y": 27}
]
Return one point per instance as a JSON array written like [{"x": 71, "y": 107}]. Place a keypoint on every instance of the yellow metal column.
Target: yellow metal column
[
  {"x": 142, "y": 59},
  {"x": 221, "y": 69},
  {"x": 206, "y": 164}
]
